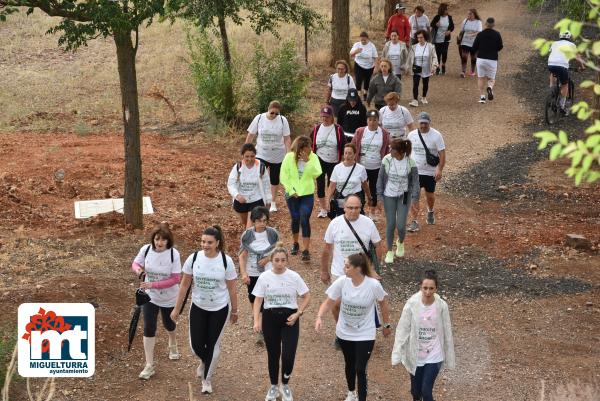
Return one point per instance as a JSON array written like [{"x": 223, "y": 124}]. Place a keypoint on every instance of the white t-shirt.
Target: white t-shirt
[
  {"x": 270, "y": 133},
  {"x": 471, "y": 28},
  {"x": 440, "y": 36},
  {"x": 158, "y": 267},
  {"x": 366, "y": 58},
  {"x": 260, "y": 243},
  {"x": 422, "y": 59},
  {"x": 370, "y": 148},
  {"x": 345, "y": 243},
  {"x": 209, "y": 290},
  {"x": 393, "y": 54},
  {"x": 417, "y": 24},
  {"x": 435, "y": 143},
  {"x": 357, "y": 311},
  {"x": 340, "y": 86},
  {"x": 340, "y": 174},
  {"x": 430, "y": 347},
  {"x": 247, "y": 185},
  {"x": 280, "y": 290},
  {"x": 397, "y": 182},
  {"x": 327, "y": 146},
  {"x": 557, "y": 57},
  {"x": 395, "y": 121}
]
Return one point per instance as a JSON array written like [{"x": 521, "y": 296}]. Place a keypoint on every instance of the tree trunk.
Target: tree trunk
[
  {"x": 228, "y": 96},
  {"x": 388, "y": 11},
  {"x": 340, "y": 30},
  {"x": 133, "y": 207}
]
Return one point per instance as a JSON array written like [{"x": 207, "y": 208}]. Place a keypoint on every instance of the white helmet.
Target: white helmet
[{"x": 565, "y": 35}]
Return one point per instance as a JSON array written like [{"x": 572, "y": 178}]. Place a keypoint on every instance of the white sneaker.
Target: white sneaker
[
  {"x": 272, "y": 394},
  {"x": 351, "y": 396},
  {"x": 200, "y": 370},
  {"x": 322, "y": 214},
  {"x": 482, "y": 99},
  {"x": 147, "y": 373},
  {"x": 286, "y": 393},
  {"x": 414, "y": 103},
  {"x": 174, "y": 353},
  {"x": 206, "y": 387},
  {"x": 273, "y": 207},
  {"x": 424, "y": 100}
]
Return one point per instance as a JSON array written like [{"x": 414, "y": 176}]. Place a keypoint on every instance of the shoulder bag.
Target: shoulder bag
[
  {"x": 432, "y": 159},
  {"x": 334, "y": 206},
  {"x": 371, "y": 254}
]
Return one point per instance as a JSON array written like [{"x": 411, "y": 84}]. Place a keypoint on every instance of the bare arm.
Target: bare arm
[
  {"x": 250, "y": 137},
  {"x": 186, "y": 281},
  {"x": 330, "y": 190},
  {"x": 378, "y": 250},
  {"x": 258, "y": 301},
  {"x": 412, "y": 126},
  {"x": 325, "y": 307},
  {"x": 325, "y": 261},
  {"x": 243, "y": 258},
  {"x": 233, "y": 298},
  {"x": 287, "y": 141},
  {"x": 302, "y": 304},
  {"x": 384, "y": 306},
  {"x": 440, "y": 167}
]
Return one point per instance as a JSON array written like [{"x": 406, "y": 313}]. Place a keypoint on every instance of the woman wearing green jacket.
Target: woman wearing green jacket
[{"x": 299, "y": 170}]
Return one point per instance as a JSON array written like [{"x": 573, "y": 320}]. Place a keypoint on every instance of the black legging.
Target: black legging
[
  {"x": 465, "y": 51},
  {"x": 281, "y": 341},
  {"x": 356, "y": 357},
  {"x": 441, "y": 50},
  {"x": 327, "y": 169},
  {"x": 206, "y": 330},
  {"x": 363, "y": 76},
  {"x": 416, "y": 79},
  {"x": 150, "y": 312},
  {"x": 372, "y": 176}
]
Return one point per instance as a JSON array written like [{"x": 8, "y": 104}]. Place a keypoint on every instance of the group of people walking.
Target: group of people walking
[{"x": 280, "y": 298}]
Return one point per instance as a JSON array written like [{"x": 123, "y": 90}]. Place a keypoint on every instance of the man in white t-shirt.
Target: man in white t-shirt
[
  {"x": 340, "y": 242},
  {"x": 558, "y": 65},
  {"x": 428, "y": 175},
  {"x": 272, "y": 144}
]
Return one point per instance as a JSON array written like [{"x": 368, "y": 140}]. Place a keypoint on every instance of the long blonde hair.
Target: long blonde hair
[{"x": 300, "y": 143}]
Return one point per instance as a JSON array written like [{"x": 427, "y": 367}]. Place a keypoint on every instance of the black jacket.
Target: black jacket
[
  {"x": 434, "y": 27},
  {"x": 351, "y": 118},
  {"x": 487, "y": 44}
]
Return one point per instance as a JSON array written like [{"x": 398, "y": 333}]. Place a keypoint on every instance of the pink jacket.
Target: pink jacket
[{"x": 357, "y": 139}]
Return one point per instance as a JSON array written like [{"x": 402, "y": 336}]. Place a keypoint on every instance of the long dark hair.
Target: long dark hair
[
  {"x": 442, "y": 9},
  {"x": 216, "y": 232},
  {"x": 402, "y": 146},
  {"x": 361, "y": 260},
  {"x": 163, "y": 231},
  {"x": 474, "y": 11}
]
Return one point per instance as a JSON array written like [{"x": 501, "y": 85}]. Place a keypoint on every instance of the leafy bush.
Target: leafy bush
[
  {"x": 279, "y": 76},
  {"x": 575, "y": 9},
  {"x": 214, "y": 80}
]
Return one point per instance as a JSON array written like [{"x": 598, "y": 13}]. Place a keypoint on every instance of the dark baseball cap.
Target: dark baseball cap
[
  {"x": 352, "y": 94},
  {"x": 326, "y": 110}
]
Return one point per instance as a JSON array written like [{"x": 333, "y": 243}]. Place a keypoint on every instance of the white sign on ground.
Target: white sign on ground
[{"x": 91, "y": 208}]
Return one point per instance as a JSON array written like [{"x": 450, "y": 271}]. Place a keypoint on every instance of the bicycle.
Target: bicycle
[{"x": 552, "y": 110}]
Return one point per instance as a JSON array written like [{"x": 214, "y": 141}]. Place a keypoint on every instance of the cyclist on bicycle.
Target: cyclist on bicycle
[{"x": 558, "y": 65}]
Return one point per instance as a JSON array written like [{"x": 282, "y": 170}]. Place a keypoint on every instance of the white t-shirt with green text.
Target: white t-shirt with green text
[
  {"x": 280, "y": 290},
  {"x": 269, "y": 137},
  {"x": 209, "y": 287}
]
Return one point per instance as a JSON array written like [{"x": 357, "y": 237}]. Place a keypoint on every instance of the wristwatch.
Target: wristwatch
[{"x": 387, "y": 326}]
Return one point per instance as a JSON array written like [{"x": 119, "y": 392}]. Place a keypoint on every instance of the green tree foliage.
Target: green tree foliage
[
  {"x": 584, "y": 153},
  {"x": 279, "y": 76},
  {"x": 120, "y": 19},
  {"x": 211, "y": 76}
]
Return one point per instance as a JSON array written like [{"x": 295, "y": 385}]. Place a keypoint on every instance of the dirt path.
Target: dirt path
[{"x": 509, "y": 279}]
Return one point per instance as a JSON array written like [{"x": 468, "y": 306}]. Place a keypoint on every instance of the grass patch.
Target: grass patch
[{"x": 8, "y": 340}]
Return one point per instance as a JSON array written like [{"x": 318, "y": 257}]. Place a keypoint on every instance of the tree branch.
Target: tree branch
[{"x": 53, "y": 9}]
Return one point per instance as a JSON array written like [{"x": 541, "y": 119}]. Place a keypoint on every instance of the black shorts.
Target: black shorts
[
  {"x": 427, "y": 182},
  {"x": 246, "y": 207},
  {"x": 561, "y": 73},
  {"x": 274, "y": 169}
]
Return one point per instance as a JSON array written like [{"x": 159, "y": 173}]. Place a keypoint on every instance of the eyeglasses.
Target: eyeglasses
[{"x": 273, "y": 113}]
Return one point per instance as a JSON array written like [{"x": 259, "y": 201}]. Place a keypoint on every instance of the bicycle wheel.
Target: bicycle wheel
[{"x": 551, "y": 110}]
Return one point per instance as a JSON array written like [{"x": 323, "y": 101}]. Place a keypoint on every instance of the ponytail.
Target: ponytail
[{"x": 215, "y": 231}]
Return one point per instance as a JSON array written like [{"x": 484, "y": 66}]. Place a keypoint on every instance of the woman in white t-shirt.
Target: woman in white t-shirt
[
  {"x": 160, "y": 265},
  {"x": 328, "y": 142},
  {"x": 338, "y": 86},
  {"x": 359, "y": 293},
  {"x": 422, "y": 63},
  {"x": 212, "y": 277},
  {"x": 442, "y": 27},
  {"x": 470, "y": 27},
  {"x": 348, "y": 178},
  {"x": 418, "y": 21},
  {"x": 395, "y": 118},
  {"x": 256, "y": 245},
  {"x": 285, "y": 297},
  {"x": 424, "y": 338},
  {"x": 272, "y": 144},
  {"x": 398, "y": 186},
  {"x": 248, "y": 184},
  {"x": 396, "y": 51},
  {"x": 365, "y": 59},
  {"x": 372, "y": 143}
]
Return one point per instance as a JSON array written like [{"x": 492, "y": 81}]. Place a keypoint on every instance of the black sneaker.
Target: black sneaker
[
  {"x": 305, "y": 255},
  {"x": 437, "y": 71},
  {"x": 490, "y": 94},
  {"x": 295, "y": 249},
  {"x": 443, "y": 70}
]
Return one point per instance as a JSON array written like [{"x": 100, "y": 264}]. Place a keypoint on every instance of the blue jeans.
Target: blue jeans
[
  {"x": 300, "y": 208},
  {"x": 421, "y": 384}
]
